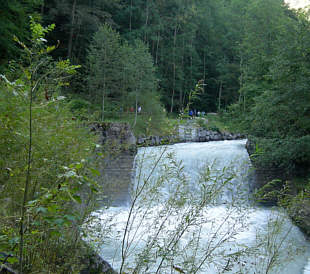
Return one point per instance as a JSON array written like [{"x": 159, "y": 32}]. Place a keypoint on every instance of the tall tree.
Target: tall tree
[
  {"x": 140, "y": 75},
  {"x": 104, "y": 62},
  {"x": 14, "y": 20}
]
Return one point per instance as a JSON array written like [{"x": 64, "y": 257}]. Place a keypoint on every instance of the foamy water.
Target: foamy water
[{"x": 224, "y": 234}]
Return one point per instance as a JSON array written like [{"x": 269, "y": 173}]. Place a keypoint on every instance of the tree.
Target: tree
[
  {"x": 105, "y": 65},
  {"x": 14, "y": 20},
  {"x": 140, "y": 74},
  {"x": 36, "y": 183},
  {"x": 76, "y": 23}
]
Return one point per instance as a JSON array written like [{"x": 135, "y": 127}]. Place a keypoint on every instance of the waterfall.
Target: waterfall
[{"x": 193, "y": 213}]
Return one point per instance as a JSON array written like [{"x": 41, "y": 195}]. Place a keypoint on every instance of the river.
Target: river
[{"x": 191, "y": 211}]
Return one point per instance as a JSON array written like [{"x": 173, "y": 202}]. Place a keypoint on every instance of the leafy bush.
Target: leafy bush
[
  {"x": 44, "y": 162},
  {"x": 79, "y": 105},
  {"x": 288, "y": 154}
]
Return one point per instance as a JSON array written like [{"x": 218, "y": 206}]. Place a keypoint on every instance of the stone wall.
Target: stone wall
[
  {"x": 116, "y": 164},
  {"x": 119, "y": 150},
  {"x": 188, "y": 133}
]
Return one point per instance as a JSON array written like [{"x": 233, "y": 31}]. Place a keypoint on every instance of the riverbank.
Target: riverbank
[{"x": 277, "y": 187}]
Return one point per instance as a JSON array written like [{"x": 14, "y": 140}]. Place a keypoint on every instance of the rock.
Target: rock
[
  {"x": 94, "y": 264},
  {"x": 250, "y": 147},
  {"x": 300, "y": 213},
  {"x": 217, "y": 137},
  {"x": 115, "y": 133},
  {"x": 140, "y": 141}
]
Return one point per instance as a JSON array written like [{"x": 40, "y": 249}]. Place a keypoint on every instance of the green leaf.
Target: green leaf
[
  {"x": 52, "y": 208},
  {"x": 70, "y": 218},
  {"x": 12, "y": 260},
  {"x": 95, "y": 172},
  {"x": 41, "y": 209},
  {"x": 59, "y": 221},
  {"x": 71, "y": 197},
  {"x": 78, "y": 165},
  {"x": 55, "y": 233},
  {"x": 77, "y": 198}
]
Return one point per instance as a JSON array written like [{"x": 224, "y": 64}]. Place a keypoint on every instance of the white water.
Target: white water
[{"x": 228, "y": 233}]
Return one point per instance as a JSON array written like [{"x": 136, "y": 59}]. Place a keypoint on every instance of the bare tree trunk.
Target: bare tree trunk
[
  {"x": 136, "y": 111},
  {"x": 146, "y": 19},
  {"x": 102, "y": 117},
  {"x": 243, "y": 102},
  {"x": 220, "y": 94},
  {"x": 181, "y": 103},
  {"x": 71, "y": 29},
  {"x": 74, "y": 46},
  {"x": 174, "y": 67},
  {"x": 184, "y": 82},
  {"x": 42, "y": 8},
  {"x": 130, "y": 15},
  {"x": 204, "y": 70},
  {"x": 192, "y": 62},
  {"x": 241, "y": 78},
  {"x": 103, "y": 94},
  {"x": 157, "y": 46},
  {"x": 27, "y": 183},
  {"x": 104, "y": 85}
]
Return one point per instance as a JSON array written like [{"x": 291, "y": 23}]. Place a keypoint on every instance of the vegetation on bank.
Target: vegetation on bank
[{"x": 46, "y": 163}]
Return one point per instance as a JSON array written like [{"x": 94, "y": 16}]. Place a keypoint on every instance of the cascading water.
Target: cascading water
[{"x": 191, "y": 212}]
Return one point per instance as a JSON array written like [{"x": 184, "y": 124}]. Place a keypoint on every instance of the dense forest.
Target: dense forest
[
  {"x": 63, "y": 63},
  {"x": 251, "y": 55}
]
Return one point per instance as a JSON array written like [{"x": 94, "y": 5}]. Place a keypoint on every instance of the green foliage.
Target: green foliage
[
  {"x": 14, "y": 21},
  {"x": 122, "y": 77},
  {"x": 80, "y": 107},
  {"x": 105, "y": 66},
  {"x": 274, "y": 99},
  {"x": 43, "y": 146},
  {"x": 194, "y": 95},
  {"x": 288, "y": 153}
]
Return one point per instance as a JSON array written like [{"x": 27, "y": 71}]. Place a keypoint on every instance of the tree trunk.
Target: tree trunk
[
  {"x": 240, "y": 78},
  {"x": 192, "y": 82},
  {"x": 184, "y": 82},
  {"x": 102, "y": 117},
  {"x": 42, "y": 8},
  {"x": 181, "y": 100},
  {"x": 157, "y": 46},
  {"x": 146, "y": 20},
  {"x": 136, "y": 111},
  {"x": 130, "y": 15},
  {"x": 174, "y": 49},
  {"x": 71, "y": 29},
  {"x": 220, "y": 95},
  {"x": 27, "y": 183},
  {"x": 74, "y": 46},
  {"x": 204, "y": 70}
]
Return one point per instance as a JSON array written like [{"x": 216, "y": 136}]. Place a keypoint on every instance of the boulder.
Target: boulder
[
  {"x": 94, "y": 264},
  {"x": 300, "y": 213}
]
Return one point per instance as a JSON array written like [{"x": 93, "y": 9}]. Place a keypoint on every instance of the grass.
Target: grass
[{"x": 210, "y": 122}]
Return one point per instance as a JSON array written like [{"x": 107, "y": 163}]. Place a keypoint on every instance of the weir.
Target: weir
[{"x": 193, "y": 212}]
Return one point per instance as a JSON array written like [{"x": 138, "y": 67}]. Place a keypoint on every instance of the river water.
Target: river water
[{"x": 191, "y": 211}]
